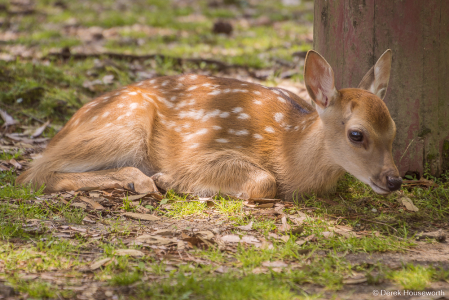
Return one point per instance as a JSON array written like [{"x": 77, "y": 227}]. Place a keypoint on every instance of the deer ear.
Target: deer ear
[
  {"x": 319, "y": 79},
  {"x": 376, "y": 80}
]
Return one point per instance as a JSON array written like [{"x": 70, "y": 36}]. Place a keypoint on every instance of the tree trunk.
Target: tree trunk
[{"x": 352, "y": 34}]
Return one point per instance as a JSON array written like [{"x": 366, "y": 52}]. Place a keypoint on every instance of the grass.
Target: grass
[
  {"x": 413, "y": 277},
  {"x": 53, "y": 89},
  {"x": 221, "y": 287}
]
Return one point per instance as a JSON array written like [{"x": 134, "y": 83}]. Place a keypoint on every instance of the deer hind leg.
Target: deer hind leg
[
  {"x": 129, "y": 178},
  {"x": 227, "y": 172}
]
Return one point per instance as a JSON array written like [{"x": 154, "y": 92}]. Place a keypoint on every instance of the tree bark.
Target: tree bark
[{"x": 352, "y": 34}]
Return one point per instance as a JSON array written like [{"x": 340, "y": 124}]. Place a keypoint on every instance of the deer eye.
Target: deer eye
[{"x": 356, "y": 136}]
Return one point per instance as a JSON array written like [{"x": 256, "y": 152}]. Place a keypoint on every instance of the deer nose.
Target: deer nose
[{"x": 394, "y": 183}]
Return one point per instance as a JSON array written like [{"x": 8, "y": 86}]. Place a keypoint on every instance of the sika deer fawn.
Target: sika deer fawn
[{"x": 204, "y": 135}]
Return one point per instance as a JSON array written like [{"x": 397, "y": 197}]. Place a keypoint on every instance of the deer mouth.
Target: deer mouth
[{"x": 377, "y": 188}]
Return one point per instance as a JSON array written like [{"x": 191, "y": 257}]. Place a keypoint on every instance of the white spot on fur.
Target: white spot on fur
[
  {"x": 133, "y": 105},
  {"x": 224, "y": 114},
  {"x": 296, "y": 128},
  {"x": 178, "y": 129},
  {"x": 119, "y": 118},
  {"x": 276, "y": 92},
  {"x": 216, "y": 127},
  {"x": 120, "y": 105},
  {"x": 152, "y": 81},
  {"x": 132, "y": 93},
  {"x": 193, "y": 77},
  {"x": 258, "y": 102},
  {"x": 165, "y": 83},
  {"x": 194, "y": 145},
  {"x": 76, "y": 122},
  {"x": 193, "y": 114},
  {"x": 108, "y": 124},
  {"x": 242, "y": 132},
  {"x": 173, "y": 98},
  {"x": 214, "y": 92},
  {"x": 226, "y": 90},
  {"x": 278, "y": 117},
  {"x": 211, "y": 114},
  {"x": 193, "y": 87},
  {"x": 223, "y": 141},
  {"x": 206, "y": 84},
  {"x": 93, "y": 119},
  {"x": 269, "y": 129},
  {"x": 140, "y": 83},
  {"x": 128, "y": 114},
  {"x": 243, "y": 116},
  {"x": 186, "y": 126},
  {"x": 257, "y": 136},
  {"x": 192, "y": 102},
  {"x": 257, "y": 92},
  {"x": 105, "y": 114},
  {"x": 237, "y": 110},
  {"x": 281, "y": 99},
  {"x": 231, "y": 131},
  {"x": 239, "y": 91},
  {"x": 116, "y": 94},
  {"x": 164, "y": 101},
  {"x": 192, "y": 135}
]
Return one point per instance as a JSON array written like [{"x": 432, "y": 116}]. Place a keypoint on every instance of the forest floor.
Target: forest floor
[{"x": 57, "y": 55}]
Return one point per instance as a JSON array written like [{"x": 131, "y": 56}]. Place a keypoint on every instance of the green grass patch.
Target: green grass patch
[{"x": 413, "y": 277}]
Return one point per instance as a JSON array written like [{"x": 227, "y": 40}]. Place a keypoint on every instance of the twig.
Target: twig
[{"x": 406, "y": 150}]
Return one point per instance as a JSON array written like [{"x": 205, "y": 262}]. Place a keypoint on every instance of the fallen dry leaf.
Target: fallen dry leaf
[
  {"x": 163, "y": 232},
  {"x": 328, "y": 234},
  {"x": 137, "y": 216},
  {"x": 274, "y": 235},
  {"x": 97, "y": 264},
  {"x": 285, "y": 238},
  {"x": 94, "y": 204},
  {"x": 9, "y": 121},
  {"x": 129, "y": 252},
  {"x": 259, "y": 270},
  {"x": 232, "y": 238},
  {"x": 305, "y": 240},
  {"x": 285, "y": 226},
  {"x": 154, "y": 240},
  {"x": 246, "y": 227},
  {"x": 345, "y": 231},
  {"x": 14, "y": 162},
  {"x": 205, "y": 234},
  {"x": 355, "y": 280},
  {"x": 40, "y": 130},
  {"x": 408, "y": 203},
  {"x": 274, "y": 264}
]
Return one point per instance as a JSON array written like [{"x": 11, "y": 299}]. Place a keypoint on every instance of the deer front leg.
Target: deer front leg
[{"x": 129, "y": 177}]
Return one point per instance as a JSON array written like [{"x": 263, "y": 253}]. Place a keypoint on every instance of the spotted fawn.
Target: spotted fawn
[{"x": 205, "y": 134}]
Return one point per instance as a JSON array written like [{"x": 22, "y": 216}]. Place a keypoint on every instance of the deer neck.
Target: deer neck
[{"x": 308, "y": 164}]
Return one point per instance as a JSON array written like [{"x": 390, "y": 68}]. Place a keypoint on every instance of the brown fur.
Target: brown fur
[{"x": 206, "y": 135}]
